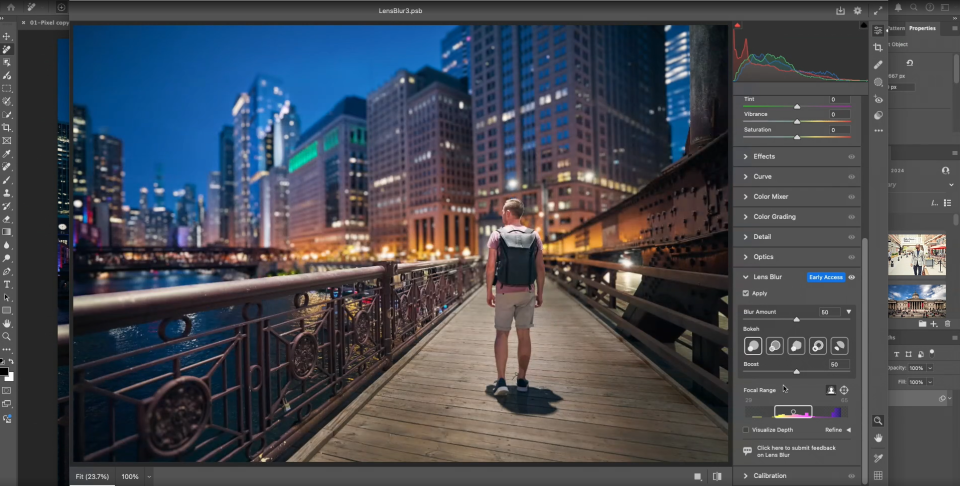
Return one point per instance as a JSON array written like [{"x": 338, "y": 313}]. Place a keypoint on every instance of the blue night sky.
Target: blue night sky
[
  {"x": 63, "y": 80},
  {"x": 166, "y": 91}
]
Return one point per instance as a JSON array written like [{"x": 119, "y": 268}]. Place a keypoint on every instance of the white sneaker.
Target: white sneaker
[{"x": 500, "y": 388}]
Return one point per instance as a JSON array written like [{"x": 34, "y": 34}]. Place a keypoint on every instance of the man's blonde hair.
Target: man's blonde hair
[{"x": 514, "y": 206}]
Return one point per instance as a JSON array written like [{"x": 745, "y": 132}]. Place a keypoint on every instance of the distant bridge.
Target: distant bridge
[
  {"x": 117, "y": 259},
  {"x": 114, "y": 259}
]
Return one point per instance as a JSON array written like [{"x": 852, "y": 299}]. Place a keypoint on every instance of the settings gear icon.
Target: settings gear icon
[{"x": 857, "y": 10}]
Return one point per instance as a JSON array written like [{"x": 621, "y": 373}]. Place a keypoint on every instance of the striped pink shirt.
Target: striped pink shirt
[{"x": 494, "y": 243}]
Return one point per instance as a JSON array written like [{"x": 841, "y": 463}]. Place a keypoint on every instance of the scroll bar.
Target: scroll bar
[
  {"x": 864, "y": 367},
  {"x": 956, "y": 92}
]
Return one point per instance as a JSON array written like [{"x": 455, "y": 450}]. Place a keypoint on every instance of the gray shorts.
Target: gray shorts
[{"x": 514, "y": 306}]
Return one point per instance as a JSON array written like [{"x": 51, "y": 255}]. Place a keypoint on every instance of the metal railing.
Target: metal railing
[
  {"x": 242, "y": 370},
  {"x": 585, "y": 280}
]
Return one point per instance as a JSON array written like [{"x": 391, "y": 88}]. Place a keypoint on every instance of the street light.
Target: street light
[{"x": 512, "y": 184}]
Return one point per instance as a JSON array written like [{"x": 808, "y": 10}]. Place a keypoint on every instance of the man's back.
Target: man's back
[{"x": 494, "y": 243}]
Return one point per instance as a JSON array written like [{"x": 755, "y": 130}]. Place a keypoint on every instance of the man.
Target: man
[
  {"x": 917, "y": 261},
  {"x": 515, "y": 260}
]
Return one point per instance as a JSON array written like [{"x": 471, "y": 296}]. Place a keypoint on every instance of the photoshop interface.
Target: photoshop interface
[{"x": 662, "y": 243}]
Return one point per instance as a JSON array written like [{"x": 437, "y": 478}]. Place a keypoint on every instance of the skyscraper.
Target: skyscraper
[
  {"x": 287, "y": 135},
  {"x": 211, "y": 227},
  {"x": 83, "y": 179},
  {"x": 227, "y": 184},
  {"x": 191, "y": 205},
  {"x": 108, "y": 170},
  {"x": 328, "y": 183},
  {"x": 138, "y": 220},
  {"x": 63, "y": 183},
  {"x": 276, "y": 209},
  {"x": 279, "y": 142},
  {"x": 136, "y": 229},
  {"x": 160, "y": 220},
  {"x": 253, "y": 112},
  {"x": 186, "y": 216},
  {"x": 573, "y": 114},
  {"x": 421, "y": 201},
  {"x": 678, "y": 87},
  {"x": 455, "y": 52}
]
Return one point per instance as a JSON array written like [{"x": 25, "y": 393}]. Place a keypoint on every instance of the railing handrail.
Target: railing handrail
[
  {"x": 103, "y": 312},
  {"x": 709, "y": 331},
  {"x": 415, "y": 266},
  {"x": 710, "y": 280}
]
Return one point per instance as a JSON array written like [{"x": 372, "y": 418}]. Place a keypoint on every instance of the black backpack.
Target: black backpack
[{"x": 516, "y": 262}]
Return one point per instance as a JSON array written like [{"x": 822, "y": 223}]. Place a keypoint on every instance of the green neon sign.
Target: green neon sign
[
  {"x": 331, "y": 140},
  {"x": 303, "y": 157}
]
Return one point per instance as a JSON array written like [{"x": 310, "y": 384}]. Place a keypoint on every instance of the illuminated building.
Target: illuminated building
[
  {"x": 421, "y": 198},
  {"x": 63, "y": 183},
  {"x": 108, "y": 189},
  {"x": 225, "y": 209},
  {"x": 253, "y": 113},
  {"x": 212, "y": 218},
  {"x": 81, "y": 143},
  {"x": 328, "y": 190},
  {"x": 678, "y": 87},
  {"x": 455, "y": 52},
  {"x": 576, "y": 113}
]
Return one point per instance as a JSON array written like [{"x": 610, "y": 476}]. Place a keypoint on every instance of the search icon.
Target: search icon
[
  {"x": 878, "y": 420},
  {"x": 913, "y": 6},
  {"x": 6, "y": 336}
]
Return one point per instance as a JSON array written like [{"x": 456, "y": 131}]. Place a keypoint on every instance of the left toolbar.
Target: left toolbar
[{"x": 9, "y": 311}]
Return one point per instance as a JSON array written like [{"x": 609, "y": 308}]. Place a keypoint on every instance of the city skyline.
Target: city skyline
[
  {"x": 621, "y": 137},
  {"x": 115, "y": 96}
]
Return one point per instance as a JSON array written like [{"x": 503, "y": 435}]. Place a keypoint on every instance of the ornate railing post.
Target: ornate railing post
[
  {"x": 386, "y": 305},
  {"x": 613, "y": 284},
  {"x": 592, "y": 274},
  {"x": 460, "y": 276}
]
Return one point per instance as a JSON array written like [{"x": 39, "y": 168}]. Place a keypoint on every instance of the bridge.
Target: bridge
[{"x": 393, "y": 361}]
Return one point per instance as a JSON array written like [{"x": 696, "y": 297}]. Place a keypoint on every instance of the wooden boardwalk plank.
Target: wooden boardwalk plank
[
  {"x": 585, "y": 442},
  {"x": 592, "y": 399},
  {"x": 531, "y": 448},
  {"x": 573, "y": 428},
  {"x": 567, "y": 397},
  {"x": 539, "y": 401}
]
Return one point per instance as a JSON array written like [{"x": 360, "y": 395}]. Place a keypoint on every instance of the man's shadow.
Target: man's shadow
[{"x": 536, "y": 401}]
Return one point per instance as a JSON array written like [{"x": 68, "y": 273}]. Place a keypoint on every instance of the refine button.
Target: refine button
[{"x": 821, "y": 277}]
